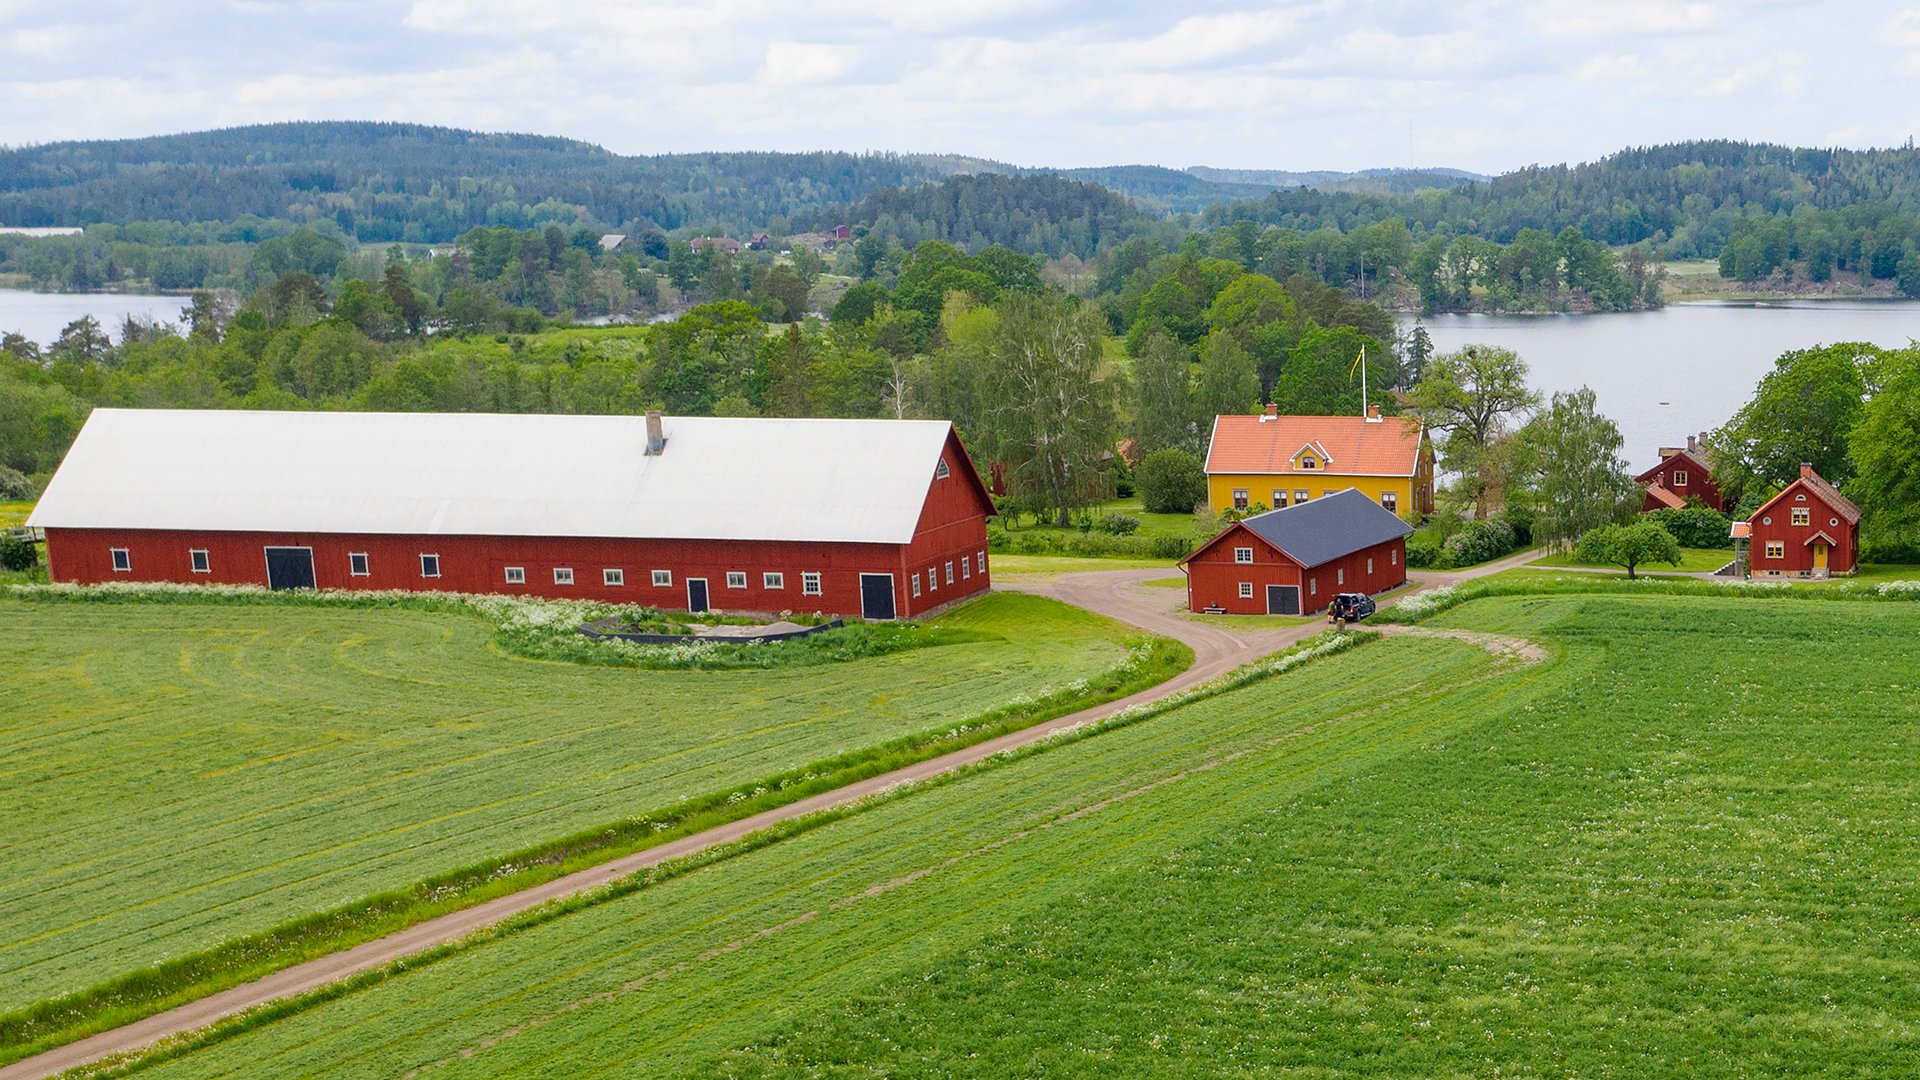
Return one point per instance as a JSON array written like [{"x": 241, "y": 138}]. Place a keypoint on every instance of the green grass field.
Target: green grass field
[
  {"x": 181, "y": 774},
  {"x": 1042, "y": 567},
  {"x": 14, "y": 513},
  {"x": 1411, "y": 859},
  {"x": 1692, "y": 561}
]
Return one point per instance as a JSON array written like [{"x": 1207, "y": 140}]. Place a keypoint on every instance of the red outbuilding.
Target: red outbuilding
[
  {"x": 877, "y": 518},
  {"x": 1293, "y": 561},
  {"x": 1681, "y": 475},
  {"x": 1808, "y": 530}
]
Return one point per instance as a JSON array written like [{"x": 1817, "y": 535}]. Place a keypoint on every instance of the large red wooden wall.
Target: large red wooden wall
[{"x": 1213, "y": 578}]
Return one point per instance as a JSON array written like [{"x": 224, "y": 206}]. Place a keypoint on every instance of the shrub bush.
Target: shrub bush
[
  {"x": 1170, "y": 482},
  {"x": 15, "y": 484},
  {"x": 1117, "y": 524},
  {"x": 1422, "y": 552},
  {"x": 1169, "y": 547},
  {"x": 17, "y": 554},
  {"x": 1694, "y": 527},
  {"x": 1477, "y": 542},
  {"x": 1068, "y": 542},
  {"x": 1890, "y": 546},
  {"x": 1520, "y": 520}
]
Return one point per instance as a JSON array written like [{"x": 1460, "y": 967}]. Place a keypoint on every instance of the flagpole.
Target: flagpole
[{"x": 1363, "y": 378}]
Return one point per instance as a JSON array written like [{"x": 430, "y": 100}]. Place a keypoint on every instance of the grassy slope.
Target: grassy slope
[
  {"x": 178, "y": 775},
  {"x": 1633, "y": 859}
]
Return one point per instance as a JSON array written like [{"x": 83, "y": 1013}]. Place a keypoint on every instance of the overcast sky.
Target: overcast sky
[{"x": 1487, "y": 85}]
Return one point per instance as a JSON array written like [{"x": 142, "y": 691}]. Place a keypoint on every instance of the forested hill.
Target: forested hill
[
  {"x": 1032, "y": 213},
  {"x": 1686, "y": 199}
]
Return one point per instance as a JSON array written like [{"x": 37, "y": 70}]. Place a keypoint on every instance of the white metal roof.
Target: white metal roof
[{"x": 495, "y": 475}]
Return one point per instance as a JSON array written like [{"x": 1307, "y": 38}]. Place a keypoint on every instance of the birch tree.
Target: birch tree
[{"x": 1053, "y": 401}]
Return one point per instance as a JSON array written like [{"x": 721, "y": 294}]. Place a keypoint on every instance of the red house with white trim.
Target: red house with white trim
[
  {"x": 877, "y": 518},
  {"x": 1681, "y": 475},
  {"x": 1293, "y": 561},
  {"x": 1808, "y": 530}
]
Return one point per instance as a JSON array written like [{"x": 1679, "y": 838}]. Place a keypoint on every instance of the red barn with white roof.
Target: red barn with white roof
[{"x": 880, "y": 518}]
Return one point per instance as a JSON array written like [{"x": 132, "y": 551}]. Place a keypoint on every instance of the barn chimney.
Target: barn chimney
[
  {"x": 1806, "y": 470},
  {"x": 1373, "y": 414},
  {"x": 1693, "y": 443},
  {"x": 656, "y": 434},
  {"x": 1273, "y": 412}
]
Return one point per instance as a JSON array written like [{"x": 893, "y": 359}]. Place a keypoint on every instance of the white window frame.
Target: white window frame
[
  {"x": 1241, "y": 499},
  {"x": 916, "y": 582},
  {"x": 933, "y": 579},
  {"x": 810, "y": 583},
  {"x": 1301, "y": 495},
  {"x": 613, "y": 576},
  {"x": 514, "y": 575},
  {"x": 1313, "y": 586},
  {"x": 1776, "y": 549},
  {"x": 1246, "y": 590},
  {"x": 1679, "y": 478},
  {"x": 1243, "y": 555},
  {"x": 949, "y": 571},
  {"x": 663, "y": 579},
  {"x": 940, "y": 471},
  {"x": 1802, "y": 515},
  {"x": 122, "y": 560},
  {"x": 1308, "y": 461},
  {"x": 563, "y": 575},
  {"x": 736, "y": 579},
  {"x": 1369, "y": 565},
  {"x": 1279, "y": 498},
  {"x": 424, "y": 556},
  {"x": 981, "y": 557},
  {"x": 966, "y": 568},
  {"x": 773, "y": 579},
  {"x": 199, "y": 561},
  {"x": 1390, "y": 501},
  {"x": 365, "y": 566},
  {"x": 1393, "y": 557}
]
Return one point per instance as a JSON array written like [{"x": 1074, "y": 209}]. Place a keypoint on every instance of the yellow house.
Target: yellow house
[{"x": 1277, "y": 461}]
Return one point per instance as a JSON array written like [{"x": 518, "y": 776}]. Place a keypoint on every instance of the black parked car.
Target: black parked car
[{"x": 1351, "y": 606}]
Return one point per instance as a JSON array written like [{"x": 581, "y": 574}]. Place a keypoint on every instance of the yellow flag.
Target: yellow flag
[{"x": 1356, "y": 363}]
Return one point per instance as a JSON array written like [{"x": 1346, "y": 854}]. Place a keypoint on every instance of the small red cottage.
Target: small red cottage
[
  {"x": 1293, "y": 561},
  {"x": 878, "y": 518},
  {"x": 1808, "y": 530},
  {"x": 1681, "y": 475}
]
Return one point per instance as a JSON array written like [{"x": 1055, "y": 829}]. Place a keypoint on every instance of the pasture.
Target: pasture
[
  {"x": 1692, "y": 561},
  {"x": 1410, "y": 859},
  {"x": 178, "y": 775}
]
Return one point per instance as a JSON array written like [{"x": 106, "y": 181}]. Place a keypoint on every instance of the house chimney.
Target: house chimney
[
  {"x": 1273, "y": 412},
  {"x": 1373, "y": 414},
  {"x": 1806, "y": 470},
  {"x": 1693, "y": 443},
  {"x": 656, "y": 434}
]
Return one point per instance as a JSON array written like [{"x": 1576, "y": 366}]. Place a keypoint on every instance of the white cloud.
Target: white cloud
[{"x": 789, "y": 62}]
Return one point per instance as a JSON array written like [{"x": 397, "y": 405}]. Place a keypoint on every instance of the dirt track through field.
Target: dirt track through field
[{"x": 1218, "y": 648}]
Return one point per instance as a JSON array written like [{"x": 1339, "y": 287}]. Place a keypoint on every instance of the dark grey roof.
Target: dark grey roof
[{"x": 1321, "y": 530}]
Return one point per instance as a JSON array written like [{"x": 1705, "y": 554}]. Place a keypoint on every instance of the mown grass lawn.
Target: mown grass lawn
[
  {"x": 1692, "y": 561},
  {"x": 1043, "y": 567},
  {"x": 1411, "y": 859},
  {"x": 177, "y": 775}
]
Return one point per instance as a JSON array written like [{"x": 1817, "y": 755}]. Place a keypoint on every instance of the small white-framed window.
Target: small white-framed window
[
  {"x": 1766, "y": 521},
  {"x": 1246, "y": 590},
  {"x": 1300, "y": 495},
  {"x": 1313, "y": 586},
  {"x": 1339, "y": 576},
  {"x": 1679, "y": 478},
  {"x": 429, "y": 565},
  {"x": 773, "y": 579},
  {"x": 1803, "y": 515},
  {"x": 198, "y": 558},
  {"x": 916, "y": 582},
  {"x": 1776, "y": 549},
  {"x": 563, "y": 575},
  {"x": 736, "y": 579},
  {"x": 516, "y": 575},
  {"x": 1802, "y": 497},
  {"x": 810, "y": 583},
  {"x": 1369, "y": 566},
  {"x": 357, "y": 564},
  {"x": 933, "y": 579},
  {"x": 949, "y": 571},
  {"x": 940, "y": 471},
  {"x": 1239, "y": 498},
  {"x": 981, "y": 560},
  {"x": 1243, "y": 554},
  {"x": 613, "y": 576},
  {"x": 122, "y": 561},
  {"x": 1390, "y": 501},
  {"x": 1393, "y": 557},
  {"x": 966, "y": 568},
  {"x": 1307, "y": 462},
  {"x": 663, "y": 579},
  {"x": 1833, "y": 521}
]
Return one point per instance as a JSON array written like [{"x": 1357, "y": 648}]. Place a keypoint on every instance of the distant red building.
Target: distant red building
[
  {"x": 1681, "y": 475},
  {"x": 878, "y": 518},
  {"x": 1293, "y": 561},
  {"x": 1808, "y": 530}
]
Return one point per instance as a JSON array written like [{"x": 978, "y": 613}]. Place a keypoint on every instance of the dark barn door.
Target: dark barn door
[
  {"x": 696, "y": 594},
  {"x": 876, "y": 596},
  {"x": 1283, "y": 599},
  {"x": 289, "y": 568}
]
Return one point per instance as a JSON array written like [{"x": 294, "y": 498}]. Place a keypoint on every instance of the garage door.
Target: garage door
[{"x": 1283, "y": 599}]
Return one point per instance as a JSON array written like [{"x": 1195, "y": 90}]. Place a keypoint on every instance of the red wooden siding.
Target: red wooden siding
[
  {"x": 1774, "y": 522},
  {"x": 1213, "y": 578},
  {"x": 1699, "y": 483},
  {"x": 952, "y": 527}
]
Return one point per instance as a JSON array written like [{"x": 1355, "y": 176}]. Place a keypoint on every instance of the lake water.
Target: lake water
[
  {"x": 1684, "y": 369},
  {"x": 41, "y": 316}
]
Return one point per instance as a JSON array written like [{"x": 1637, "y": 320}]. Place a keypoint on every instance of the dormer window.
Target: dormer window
[{"x": 1307, "y": 462}]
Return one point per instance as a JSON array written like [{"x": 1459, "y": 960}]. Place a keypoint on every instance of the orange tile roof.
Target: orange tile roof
[
  {"x": 1353, "y": 445},
  {"x": 1667, "y": 497}
]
